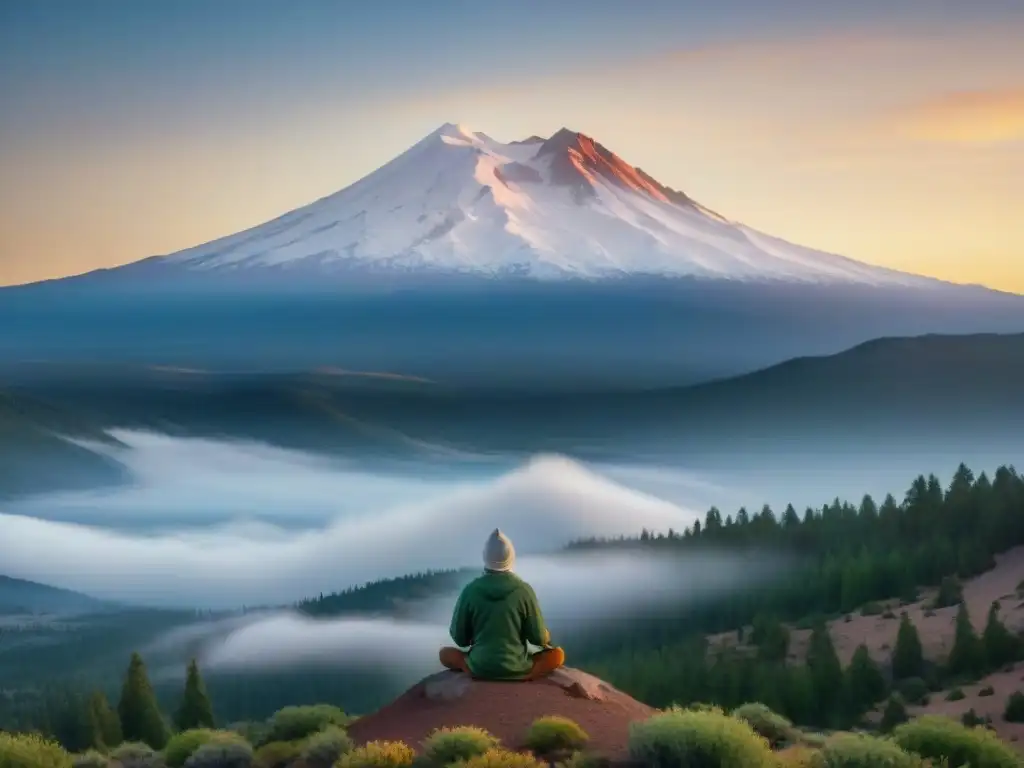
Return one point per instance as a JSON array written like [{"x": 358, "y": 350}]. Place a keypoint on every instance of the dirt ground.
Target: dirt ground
[{"x": 935, "y": 628}]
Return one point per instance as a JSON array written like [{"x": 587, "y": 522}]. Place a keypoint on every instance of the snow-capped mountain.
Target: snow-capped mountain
[
  {"x": 541, "y": 264},
  {"x": 460, "y": 202}
]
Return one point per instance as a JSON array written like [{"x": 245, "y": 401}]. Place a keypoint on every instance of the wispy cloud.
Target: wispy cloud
[{"x": 965, "y": 117}]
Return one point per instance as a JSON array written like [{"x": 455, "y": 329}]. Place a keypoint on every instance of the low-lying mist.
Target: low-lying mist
[
  {"x": 218, "y": 524},
  {"x": 577, "y": 592},
  {"x": 376, "y": 531}
]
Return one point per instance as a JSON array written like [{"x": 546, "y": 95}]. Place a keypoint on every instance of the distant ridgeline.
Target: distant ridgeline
[{"x": 388, "y": 595}]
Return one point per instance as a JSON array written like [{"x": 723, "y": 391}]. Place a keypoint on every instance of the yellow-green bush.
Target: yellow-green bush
[
  {"x": 181, "y": 746},
  {"x": 852, "y": 750},
  {"x": 798, "y": 757},
  {"x": 27, "y": 750},
  {"x": 553, "y": 735},
  {"x": 773, "y": 726},
  {"x": 90, "y": 759},
  {"x": 937, "y": 737},
  {"x": 449, "y": 745},
  {"x": 501, "y": 758},
  {"x": 584, "y": 760},
  {"x": 322, "y": 749},
  {"x": 379, "y": 754},
  {"x": 135, "y": 754},
  {"x": 681, "y": 737},
  {"x": 294, "y": 723},
  {"x": 221, "y": 754},
  {"x": 276, "y": 754}
]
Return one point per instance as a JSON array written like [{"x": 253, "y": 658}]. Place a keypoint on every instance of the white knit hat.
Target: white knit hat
[{"x": 499, "y": 554}]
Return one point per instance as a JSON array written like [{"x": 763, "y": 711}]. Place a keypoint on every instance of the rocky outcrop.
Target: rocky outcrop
[{"x": 507, "y": 709}]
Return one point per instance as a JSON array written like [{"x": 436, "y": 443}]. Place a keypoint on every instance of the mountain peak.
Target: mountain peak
[{"x": 459, "y": 201}]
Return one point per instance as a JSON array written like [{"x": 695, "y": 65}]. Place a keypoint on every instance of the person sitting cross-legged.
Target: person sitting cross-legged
[{"x": 496, "y": 615}]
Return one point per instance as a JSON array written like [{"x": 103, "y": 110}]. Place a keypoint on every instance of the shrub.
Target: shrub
[
  {"x": 871, "y": 609},
  {"x": 1014, "y": 711},
  {"x": 913, "y": 690},
  {"x": 449, "y": 745},
  {"x": 181, "y": 746},
  {"x": 895, "y": 712},
  {"x": 221, "y": 754},
  {"x": 378, "y": 754},
  {"x": 940, "y": 738},
  {"x": 798, "y": 757},
  {"x": 254, "y": 733},
  {"x": 22, "y": 750},
  {"x": 90, "y": 759},
  {"x": 584, "y": 760},
  {"x": 972, "y": 719},
  {"x": 276, "y": 754},
  {"x": 955, "y": 695},
  {"x": 294, "y": 723},
  {"x": 950, "y": 593},
  {"x": 813, "y": 740},
  {"x": 988, "y": 690},
  {"x": 771, "y": 725},
  {"x": 679, "y": 737},
  {"x": 854, "y": 750},
  {"x": 322, "y": 750},
  {"x": 501, "y": 758},
  {"x": 553, "y": 735},
  {"x": 135, "y": 754}
]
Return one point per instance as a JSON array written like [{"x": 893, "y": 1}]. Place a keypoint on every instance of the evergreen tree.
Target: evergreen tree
[
  {"x": 908, "y": 655},
  {"x": 771, "y": 638},
  {"x": 141, "y": 719},
  {"x": 826, "y": 671},
  {"x": 1000, "y": 645},
  {"x": 105, "y": 726},
  {"x": 966, "y": 658},
  {"x": 864, "y": 684},
  {"x": 195, "y": 710}
]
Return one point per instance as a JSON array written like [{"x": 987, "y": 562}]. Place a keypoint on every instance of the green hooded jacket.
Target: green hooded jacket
[{"x": 495, "y": 616}]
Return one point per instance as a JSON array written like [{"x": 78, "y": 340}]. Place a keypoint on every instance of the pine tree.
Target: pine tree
[
  {"x": 966, "y": 658},
  {"x": 105, "y": 727},
  {"x": 141, "y": 719},
  {"x": 864, "y": 683},
  {"x": 771, "y": 638},
  {"x": 195, "y": 710},
  {"x": 1000, "y": 645},
  {"x": 826, "y": 672},
  {"x": 908, "y": 655}
]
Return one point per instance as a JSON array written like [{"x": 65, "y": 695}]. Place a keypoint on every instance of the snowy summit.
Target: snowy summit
[{"x": 460, "y": 202}]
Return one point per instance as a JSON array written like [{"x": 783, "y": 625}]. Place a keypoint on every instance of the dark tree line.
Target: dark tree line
[{"x": 81, "y": 720}]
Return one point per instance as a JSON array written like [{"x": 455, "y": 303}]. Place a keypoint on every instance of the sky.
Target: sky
[{"x": 891, "y": 131}]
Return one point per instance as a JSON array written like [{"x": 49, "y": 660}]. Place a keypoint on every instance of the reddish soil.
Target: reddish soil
[
  {"x": 506, "y": 710},
  {"x": 935, "y": 627}
]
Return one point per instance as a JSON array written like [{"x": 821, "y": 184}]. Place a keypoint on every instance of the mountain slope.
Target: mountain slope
[
  {"x": 18, "y": 596},
  {"x": 461, "y": 202}
]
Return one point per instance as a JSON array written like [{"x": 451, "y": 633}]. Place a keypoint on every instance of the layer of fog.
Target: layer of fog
[
  {"x": 542, "y": 505},
  {"x": 576, "y": 592},
  {"x": 210, "y": 523}
]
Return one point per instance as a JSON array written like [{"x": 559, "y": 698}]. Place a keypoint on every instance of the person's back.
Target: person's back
[{"x": 496, "y": 615}]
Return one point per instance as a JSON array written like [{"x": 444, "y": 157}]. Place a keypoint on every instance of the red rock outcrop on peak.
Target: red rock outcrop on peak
[{"x": 506, "y": 710}]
